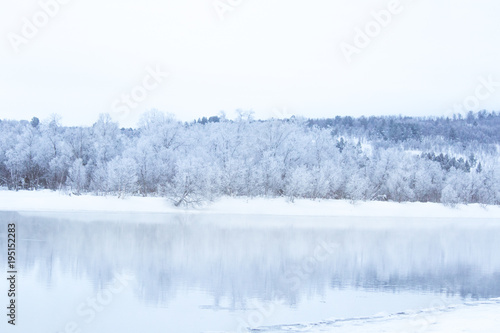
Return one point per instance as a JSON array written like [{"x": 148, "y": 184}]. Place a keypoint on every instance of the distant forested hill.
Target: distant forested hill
[{"x": 480, "y": 128}]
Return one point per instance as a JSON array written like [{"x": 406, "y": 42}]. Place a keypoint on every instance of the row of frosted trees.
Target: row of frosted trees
[{"x": 193, "y": 162}]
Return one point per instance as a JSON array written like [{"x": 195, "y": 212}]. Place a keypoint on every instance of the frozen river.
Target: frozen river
[{"x": 84, "y": 272}]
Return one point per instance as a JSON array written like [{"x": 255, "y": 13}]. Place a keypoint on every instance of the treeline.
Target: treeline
[
  {"x": 475, "y": 129},
  {"x": 449, "y": 160}
]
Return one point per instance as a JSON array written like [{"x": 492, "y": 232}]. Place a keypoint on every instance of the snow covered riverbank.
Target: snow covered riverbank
[
  {"x": 470, "y": 317},
  {"x": 52, "y": 201}
]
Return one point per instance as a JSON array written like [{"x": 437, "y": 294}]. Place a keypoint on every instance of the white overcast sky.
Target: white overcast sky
[{"x": 276, "y": 57}]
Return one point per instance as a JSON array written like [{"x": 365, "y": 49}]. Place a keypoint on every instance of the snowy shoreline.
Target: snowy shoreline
[
  {"x": 469, "y": 317},
  {"x": 53, "y": 201}
]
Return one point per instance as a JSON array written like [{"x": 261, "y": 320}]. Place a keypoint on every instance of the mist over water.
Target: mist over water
[{"x": 218, "y": 267}]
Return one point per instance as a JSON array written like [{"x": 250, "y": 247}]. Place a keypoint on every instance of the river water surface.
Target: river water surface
[{"x": 86, "y": 272}]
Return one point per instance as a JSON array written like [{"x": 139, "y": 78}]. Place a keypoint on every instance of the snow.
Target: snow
[
  {"x": 53, "y": 201},
  {"x": 471, "y": 317}
]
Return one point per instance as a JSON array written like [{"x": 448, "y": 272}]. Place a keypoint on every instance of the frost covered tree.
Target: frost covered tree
[
  {"x": 401, "y": 181},
  {"x": 376, "y": 158},
  {"x": 53, "y": 153},
  {"x": 106, "y": 139},
  {"x": 300, "y": 184},
  {"x": 22, "y": 159},
  {"x": 149, "y": 164},
  {"x": 450, "y": 196},
  {"x": 77, "y": 176},
  {"x": 98, "y": 178},
  {"x": 190, "y": 184},
  {"x": 121, "y": 176},
  {"x": 357, "y": 187}
]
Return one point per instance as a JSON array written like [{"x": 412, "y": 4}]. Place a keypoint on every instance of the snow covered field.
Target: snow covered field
[{"x": 51, "y": 201}]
